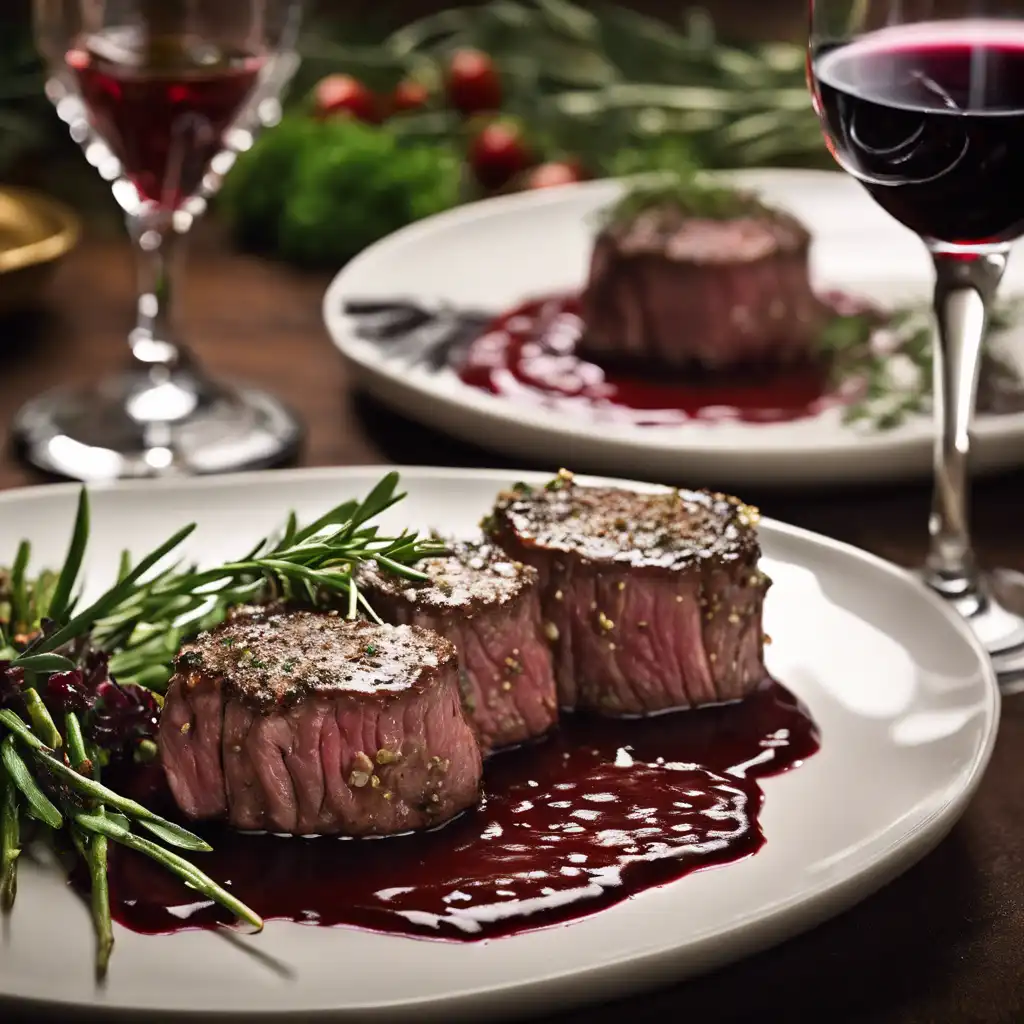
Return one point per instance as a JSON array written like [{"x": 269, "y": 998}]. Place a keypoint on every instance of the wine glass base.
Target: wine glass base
[
  {"x": 996, "y": 615},
  {"x": 154, "y": 423}
]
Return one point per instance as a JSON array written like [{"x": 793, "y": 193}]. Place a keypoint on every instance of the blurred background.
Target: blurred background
[
  {"x": 34, "y": 146},
  {"x": 399, "y": 110}
]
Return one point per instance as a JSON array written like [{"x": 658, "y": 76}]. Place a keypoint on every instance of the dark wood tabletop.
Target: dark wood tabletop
[{"x": 942, "y": 945}]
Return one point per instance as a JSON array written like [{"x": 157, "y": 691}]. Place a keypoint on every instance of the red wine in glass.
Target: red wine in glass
[
  {"x": 930, "y": 118},
  {"x": 162, "y": 105}
]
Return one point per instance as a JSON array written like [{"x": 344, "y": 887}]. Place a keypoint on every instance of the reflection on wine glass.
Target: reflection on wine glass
[
  {"x": 926, "y": 110},
  {"x": 162, "y": 95}
]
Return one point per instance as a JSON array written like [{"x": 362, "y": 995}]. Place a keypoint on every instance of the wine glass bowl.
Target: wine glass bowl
[
  {"x": 911, "y": 114},
  {"x": 162, "y": 108},
  {"x": 161, "y": 95},
  {"x": 927, "y": 111}
]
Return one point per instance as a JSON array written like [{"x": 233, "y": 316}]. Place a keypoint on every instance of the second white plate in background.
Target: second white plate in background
[{"x": 496, "y": 253}]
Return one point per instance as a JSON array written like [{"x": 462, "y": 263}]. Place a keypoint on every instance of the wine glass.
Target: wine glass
[
  {"x": 923, "y": 103},
  {"x": 161, "y": 95}
]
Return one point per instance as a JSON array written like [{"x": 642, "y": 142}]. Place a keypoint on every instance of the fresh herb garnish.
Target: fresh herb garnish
[
  {"x": 63, "y": 715},
  {"x": 883, "y": 364},
  {"x": 689, "y": 194}
]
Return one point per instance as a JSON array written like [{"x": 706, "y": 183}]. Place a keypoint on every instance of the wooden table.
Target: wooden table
[{"x": 942, "y": 945}]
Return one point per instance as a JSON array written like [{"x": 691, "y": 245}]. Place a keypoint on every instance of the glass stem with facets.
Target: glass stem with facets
[
  {"x": 157, "y": 247},
  {"x": 964, "y": 287}
]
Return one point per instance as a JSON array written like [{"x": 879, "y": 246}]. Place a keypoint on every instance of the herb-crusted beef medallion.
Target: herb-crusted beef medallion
[
  {"x": 307, "y": 724},
  {"x": 488, "y": 606},
  {"x": 695, "y": 275},
  {"x": 652, "y": 601}
]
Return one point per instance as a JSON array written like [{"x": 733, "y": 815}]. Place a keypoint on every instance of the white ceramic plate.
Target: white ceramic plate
[
  {"x": 496, "y": 253},
  {"x": 904, "y": 697}
]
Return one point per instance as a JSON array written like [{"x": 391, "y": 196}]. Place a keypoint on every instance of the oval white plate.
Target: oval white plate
[
  {"x": 496, "y": 253},
  {"x": 905, "y": 700}
]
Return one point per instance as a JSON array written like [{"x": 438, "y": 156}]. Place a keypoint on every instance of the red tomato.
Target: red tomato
[
  {"x": 473, "y": 83},
  {"x": 498, "y": 153},
  {"x": 344, "y": 95},
  {"x": 558, "y": 172},
  {"x": 409, "y": 95}
]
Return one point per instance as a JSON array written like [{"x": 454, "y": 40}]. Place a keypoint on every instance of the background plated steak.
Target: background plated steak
[
  {"x": 488, "y": 606},
  {"x": 307, "y": 724},
  {"x": 653, "y": 601},
  {"x": 669, "y": 288}
]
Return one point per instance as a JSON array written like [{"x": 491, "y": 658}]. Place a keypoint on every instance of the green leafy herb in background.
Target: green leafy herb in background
[
  {"x": 316, "y": 193},
  {"x": 605, "y": 79},
  {"x": 602, "y": 83},
  {"x": 617, "y": 91},
  {"x": 883, "y": 364}
]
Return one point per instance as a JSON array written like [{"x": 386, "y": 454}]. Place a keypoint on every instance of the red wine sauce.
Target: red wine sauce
[
  {"x": 162, "y": 108},
  {"x": 596, "y": 813},
  {"x": 529, "y": 355}
]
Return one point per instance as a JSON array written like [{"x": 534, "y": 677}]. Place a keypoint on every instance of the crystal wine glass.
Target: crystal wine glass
[
  {"x": 923, "y": 103},
  {"x": 161, "y": 95}
]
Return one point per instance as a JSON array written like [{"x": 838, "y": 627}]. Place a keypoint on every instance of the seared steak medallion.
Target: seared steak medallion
[
  {"x": 488, "y": 606},
  {"x": 305, "y": 723},
  {"x": 652, "y": 601},
  {"x": 671, "y": 288}
]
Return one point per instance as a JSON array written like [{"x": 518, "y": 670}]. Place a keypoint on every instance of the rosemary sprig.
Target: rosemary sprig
[
  {"x": 45, "y": 759},
  {"x": 40, "y": 806},
  {"x": 313, "y": 564},
  {"x": 685, "y": 189},
  {"x": 81, "y": 624},
  {"x": 93, "y": 849},
  {"x": 886, "y": 361},
  {"x": 117, "y": 829},
  {"x": 10, "y": 842},
  {"x": 140, "y": 621},
  {"x": 60, "y": 602}
]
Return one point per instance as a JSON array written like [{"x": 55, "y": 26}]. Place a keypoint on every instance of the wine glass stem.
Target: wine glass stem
[
  {"x": 157, "y": 246},
  {"x": 964, "y": 287}
]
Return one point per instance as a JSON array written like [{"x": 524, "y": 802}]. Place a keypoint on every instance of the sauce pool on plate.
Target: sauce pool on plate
[
  {"x": 529, "y": 355},
  {"x": 596, "y": 813}
]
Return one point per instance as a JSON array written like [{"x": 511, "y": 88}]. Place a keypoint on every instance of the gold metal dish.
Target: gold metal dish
[{"x": 35, "y": 233}]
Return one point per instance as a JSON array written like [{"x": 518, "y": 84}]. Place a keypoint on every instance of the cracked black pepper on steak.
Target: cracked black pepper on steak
[
  {"x": 488, "y": 606},
  {"x": 305, "y": 723},
  {"x": 651, "y": 601}
]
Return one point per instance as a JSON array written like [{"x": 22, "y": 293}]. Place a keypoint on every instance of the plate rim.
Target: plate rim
[
  {"x": 762, "y": 925},
  {"x": 841, "y": 453}
]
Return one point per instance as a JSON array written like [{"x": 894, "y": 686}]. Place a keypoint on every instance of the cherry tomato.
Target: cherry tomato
[
  {"x": 499, "y": 153},
  {"x": 557, "y": 172},
  {"x": 473, "y": 83},
  {"x": 409, "y": 95},
  {"x": 339, "y": 95}
]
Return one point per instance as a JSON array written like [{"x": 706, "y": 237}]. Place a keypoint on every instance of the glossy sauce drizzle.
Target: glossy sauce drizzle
[
  {"x": 529, "y": 355},
  {"x": 597, "y": 813}
]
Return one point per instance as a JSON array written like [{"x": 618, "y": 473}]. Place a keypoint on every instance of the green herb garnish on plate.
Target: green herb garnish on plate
[{"x": 79, "y": 683}]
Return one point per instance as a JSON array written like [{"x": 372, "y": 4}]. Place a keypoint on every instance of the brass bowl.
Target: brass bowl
[{"x": 35, "y": 233}]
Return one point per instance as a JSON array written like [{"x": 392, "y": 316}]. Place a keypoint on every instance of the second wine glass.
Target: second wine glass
[
  {"x": 926, "y": 110},
  {"x": 161, "y": 95}
]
